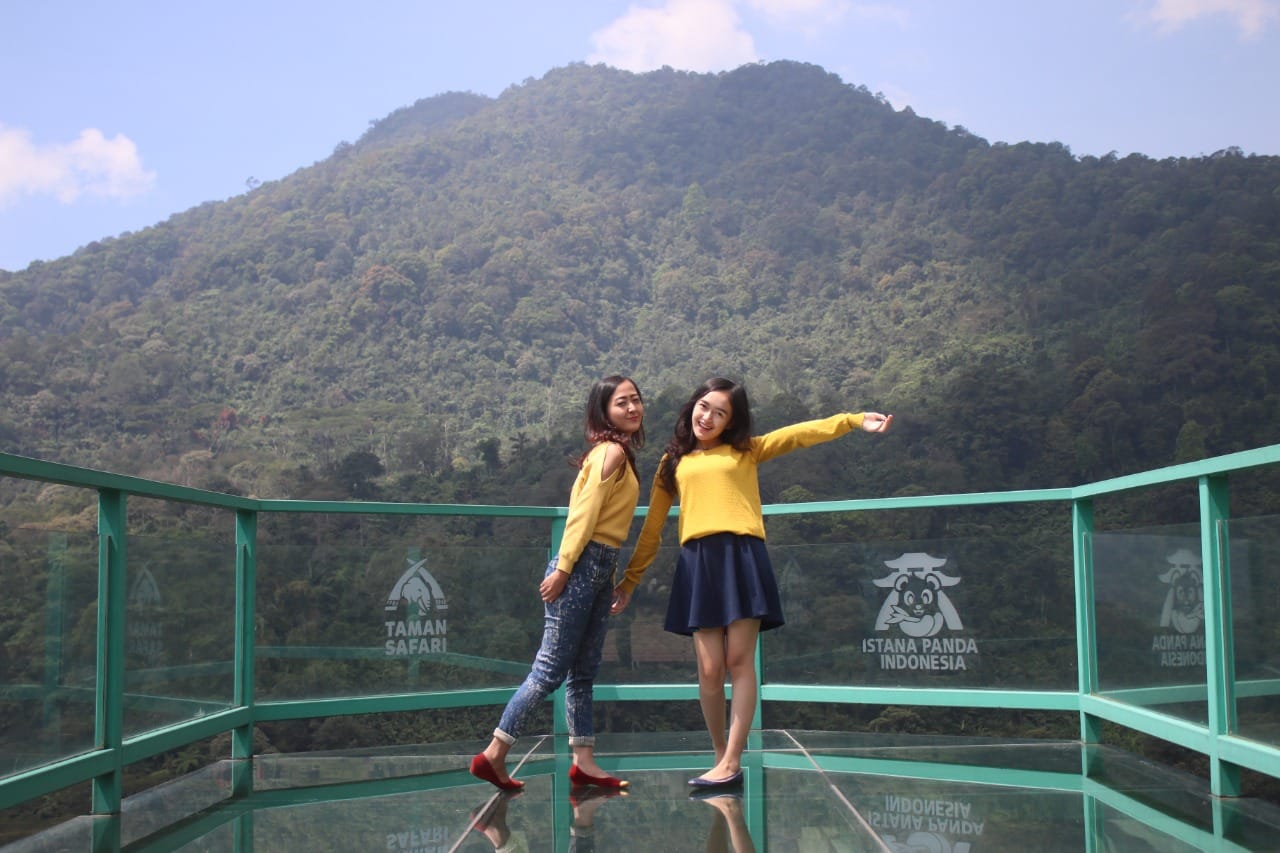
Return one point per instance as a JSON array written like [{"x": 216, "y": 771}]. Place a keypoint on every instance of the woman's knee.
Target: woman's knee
[
  {"x": 741, "y": 665},
  {"x": 547, "y": 679},
  {"x": 711, "y": 672}
]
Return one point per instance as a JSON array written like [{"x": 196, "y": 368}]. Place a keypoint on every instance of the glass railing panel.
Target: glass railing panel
[
  {"x": 1150, "y": 618},
  {"x": 153, "y": 810},
  {"x": 179, "y": 628},
  {"x": 426, "y": 605},
  {"x": 1255, "y": 579},
  {"x": 986, "y": 612},
  {"x": 433, "y": 820},
  {"x": 637, "y": 650},
  {"x": 1118, "y": 830},
  {"x": 48, "y": 635},
  {"x": 920, "y": 814}
]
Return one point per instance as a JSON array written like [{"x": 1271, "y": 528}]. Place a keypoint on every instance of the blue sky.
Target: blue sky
[{"x": 115, "y": 116}]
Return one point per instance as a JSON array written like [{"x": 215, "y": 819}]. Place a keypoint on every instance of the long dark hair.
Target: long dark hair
[
  {"x": 737, "y": 433},
  {"x": 596, "y": 426}
]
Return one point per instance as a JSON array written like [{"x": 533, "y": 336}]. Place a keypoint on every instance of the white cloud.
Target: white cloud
[
  {"x": 691, "y": 35},
  {"x": 817, "y": 15},
  {"x": 783, "y": 9},
  {"x": 1250, "y": 16},
  {"x": 810, "y": 17},
  {"x": 882, "y": 12},
  {"x": 90, "y": 165}
]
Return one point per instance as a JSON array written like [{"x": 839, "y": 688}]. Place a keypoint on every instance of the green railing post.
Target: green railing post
[
  {"x": 1219, "y": 650},
  {"x": 246, "y": 587},
  {"x": 104, "y": 834},
  {"x": 55, "y": 596},
  {"x": 109, "y": 697},
  {"x": 242, "y": 836},
  {"x": 1086, "y": 620},
  {"x": 756, "y": 812},
  {"x": 754, "y": 741}
]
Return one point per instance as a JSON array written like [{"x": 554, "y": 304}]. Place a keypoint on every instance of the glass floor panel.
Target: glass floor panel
[{"x": 803, "y": 791}]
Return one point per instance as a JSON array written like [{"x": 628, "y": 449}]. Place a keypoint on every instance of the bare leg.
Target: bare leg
[
  {"x": 585, "y": 804},
  {"x": 491, "y": 821},
  {"x": 585, "y": 759},
  {"x": 709, "y": 643},
  {"x": 496, "y": 753},
  {"x": 730, "y": 818},
  {"x": 740, "y": 660},
  {"x": 718, "y": 836}
]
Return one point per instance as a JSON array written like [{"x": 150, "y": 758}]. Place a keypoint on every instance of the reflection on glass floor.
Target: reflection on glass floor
[{"x": 804, "y": 791}]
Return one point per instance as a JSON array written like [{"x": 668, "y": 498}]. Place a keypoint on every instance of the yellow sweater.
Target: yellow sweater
[
  {"x": 599, "y": 510},
  {"x": 719, "y": 489}
]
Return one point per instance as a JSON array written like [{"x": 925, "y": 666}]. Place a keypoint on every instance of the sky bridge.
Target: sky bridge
[{"x": 1087, "y": 668}]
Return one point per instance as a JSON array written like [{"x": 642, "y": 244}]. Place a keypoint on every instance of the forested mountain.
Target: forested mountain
[{"x": 410, "y": 315}]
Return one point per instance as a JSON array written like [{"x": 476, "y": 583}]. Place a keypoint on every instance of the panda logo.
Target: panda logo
[
  {"x": 1184, "y": 602},
  {"x": 917, "y": 602}
]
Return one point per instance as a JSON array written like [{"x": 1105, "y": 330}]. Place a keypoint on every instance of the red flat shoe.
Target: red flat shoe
[
  {"x": 481, "y": 817},
  {"x": 581, "y": 777},
  {"x": 482, "y": 769},
  {"x": 583, "y": 794}
]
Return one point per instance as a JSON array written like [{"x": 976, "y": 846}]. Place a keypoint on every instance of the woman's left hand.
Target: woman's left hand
[
  {"x": 876, "y": 422},
  {"x": 621, "y": 598},
  {"x": 552, "y": 585}
]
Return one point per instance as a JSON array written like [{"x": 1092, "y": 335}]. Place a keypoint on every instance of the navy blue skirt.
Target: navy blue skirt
[{"x": 720, "y": 579}]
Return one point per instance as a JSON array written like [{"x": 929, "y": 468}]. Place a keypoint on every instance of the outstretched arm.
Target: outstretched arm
[{"x": 808, "y": 433}]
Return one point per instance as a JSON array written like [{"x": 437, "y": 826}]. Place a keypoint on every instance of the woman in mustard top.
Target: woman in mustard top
[
  {"x": 577, "y": 589},
  {"x": 723, "y": 593}
]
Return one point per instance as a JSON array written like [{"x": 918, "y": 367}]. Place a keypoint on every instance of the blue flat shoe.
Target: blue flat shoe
[
  {"x": 703, "y": 782},
  {"x": 720, "y": 792}
]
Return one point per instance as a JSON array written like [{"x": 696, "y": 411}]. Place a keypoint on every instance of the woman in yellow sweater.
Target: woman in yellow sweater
[
  {"x": 577, "y": 589},
  {"x": 724, "y": 592}
]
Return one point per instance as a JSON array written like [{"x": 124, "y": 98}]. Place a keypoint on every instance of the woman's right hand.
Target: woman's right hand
[{"x": 552, "y": 585}]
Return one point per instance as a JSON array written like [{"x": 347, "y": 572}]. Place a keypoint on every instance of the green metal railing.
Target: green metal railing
[{"x": 1217, "y": 738}]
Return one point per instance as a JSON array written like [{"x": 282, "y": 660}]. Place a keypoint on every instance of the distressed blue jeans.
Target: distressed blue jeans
[{"x": 572, "y": 645}]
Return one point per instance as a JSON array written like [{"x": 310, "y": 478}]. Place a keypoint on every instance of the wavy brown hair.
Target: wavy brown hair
[{"x": 737, "y": 433}]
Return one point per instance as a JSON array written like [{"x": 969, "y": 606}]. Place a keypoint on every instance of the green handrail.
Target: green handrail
[{"x": 1218, "y": 740}]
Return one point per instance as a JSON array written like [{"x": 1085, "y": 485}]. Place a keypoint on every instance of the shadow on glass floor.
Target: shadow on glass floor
[{"x": 803, "y": 791}]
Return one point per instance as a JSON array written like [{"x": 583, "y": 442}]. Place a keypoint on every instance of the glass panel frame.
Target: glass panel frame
[
  {"x": 415, "y": 609},
  {"x": 1149, "y": 592},
  {"x": 926, "y": 613},
  {"x": 180, "y": 630},
  {"x": 48, "y": 656},
  {"x": 1255, "y": 607}
]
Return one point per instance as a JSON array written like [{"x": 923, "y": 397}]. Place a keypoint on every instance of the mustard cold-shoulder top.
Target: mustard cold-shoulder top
[
  {"x": 719, "y": 489},
  {"x": 599, "y": 509}
]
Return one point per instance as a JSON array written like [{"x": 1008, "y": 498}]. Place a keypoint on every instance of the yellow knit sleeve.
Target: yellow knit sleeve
[
  {"x": 660, "y": 501},
  {"x": 803, "y": 434}
]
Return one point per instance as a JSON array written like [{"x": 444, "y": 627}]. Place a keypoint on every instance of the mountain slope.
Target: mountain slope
[{"x": 457, "y": 277}]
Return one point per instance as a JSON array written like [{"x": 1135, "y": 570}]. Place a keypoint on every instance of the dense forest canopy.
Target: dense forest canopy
[{"x": 412, "y": 315}]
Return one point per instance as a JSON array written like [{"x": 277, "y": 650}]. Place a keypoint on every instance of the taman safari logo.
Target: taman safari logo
[
  {"x": 418, "y": 601},
  {"x": 144, "y": 638}
]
